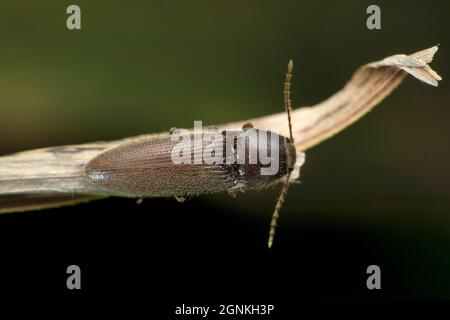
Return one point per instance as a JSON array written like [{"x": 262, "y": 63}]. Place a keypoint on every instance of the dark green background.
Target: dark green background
[{"x": 140, "y": 67}]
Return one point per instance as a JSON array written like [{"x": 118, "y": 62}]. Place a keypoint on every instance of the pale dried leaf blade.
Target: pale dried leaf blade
[
  {"x": 369, "y": 85},
  {"x": 416, "y": 65},
  {"x": 425, "y": 74},
  {"x": 52, "y": 172},
  {"x": 426, "y": 55}
]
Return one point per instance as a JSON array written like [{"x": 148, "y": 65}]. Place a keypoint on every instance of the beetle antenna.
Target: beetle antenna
[
  {"x": 287, "y": 96},
  {"x": 276, "y": 212},
  {"x": 288, "y": 107}
]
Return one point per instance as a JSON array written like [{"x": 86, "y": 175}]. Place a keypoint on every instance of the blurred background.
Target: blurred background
[{"x": 377, "y": 193}]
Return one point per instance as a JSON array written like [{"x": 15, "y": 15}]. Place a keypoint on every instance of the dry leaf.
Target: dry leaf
[{"x": 54, "y": 176}]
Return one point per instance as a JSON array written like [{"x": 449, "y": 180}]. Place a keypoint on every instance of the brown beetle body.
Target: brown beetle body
[{"x": 144, "y": 167}]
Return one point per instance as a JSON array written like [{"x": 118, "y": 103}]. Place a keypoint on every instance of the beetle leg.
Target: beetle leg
[
  {"x": 180, "y": 199},
  {"x": 171, "y": 130},
  {"x": 247, "y": 125},
  {"x": 238, "y": 187},
  {"x": 233, "y": 193}
]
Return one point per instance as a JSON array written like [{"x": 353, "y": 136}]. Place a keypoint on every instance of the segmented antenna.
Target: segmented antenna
[
  {"x": 276, "y": 212},
  {"x": 287, "y": 96},
  {"x": 288, "y": 107}
]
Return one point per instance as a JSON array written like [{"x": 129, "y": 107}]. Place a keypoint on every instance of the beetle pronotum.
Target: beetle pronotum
[{"x": 145, "y": 167}]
